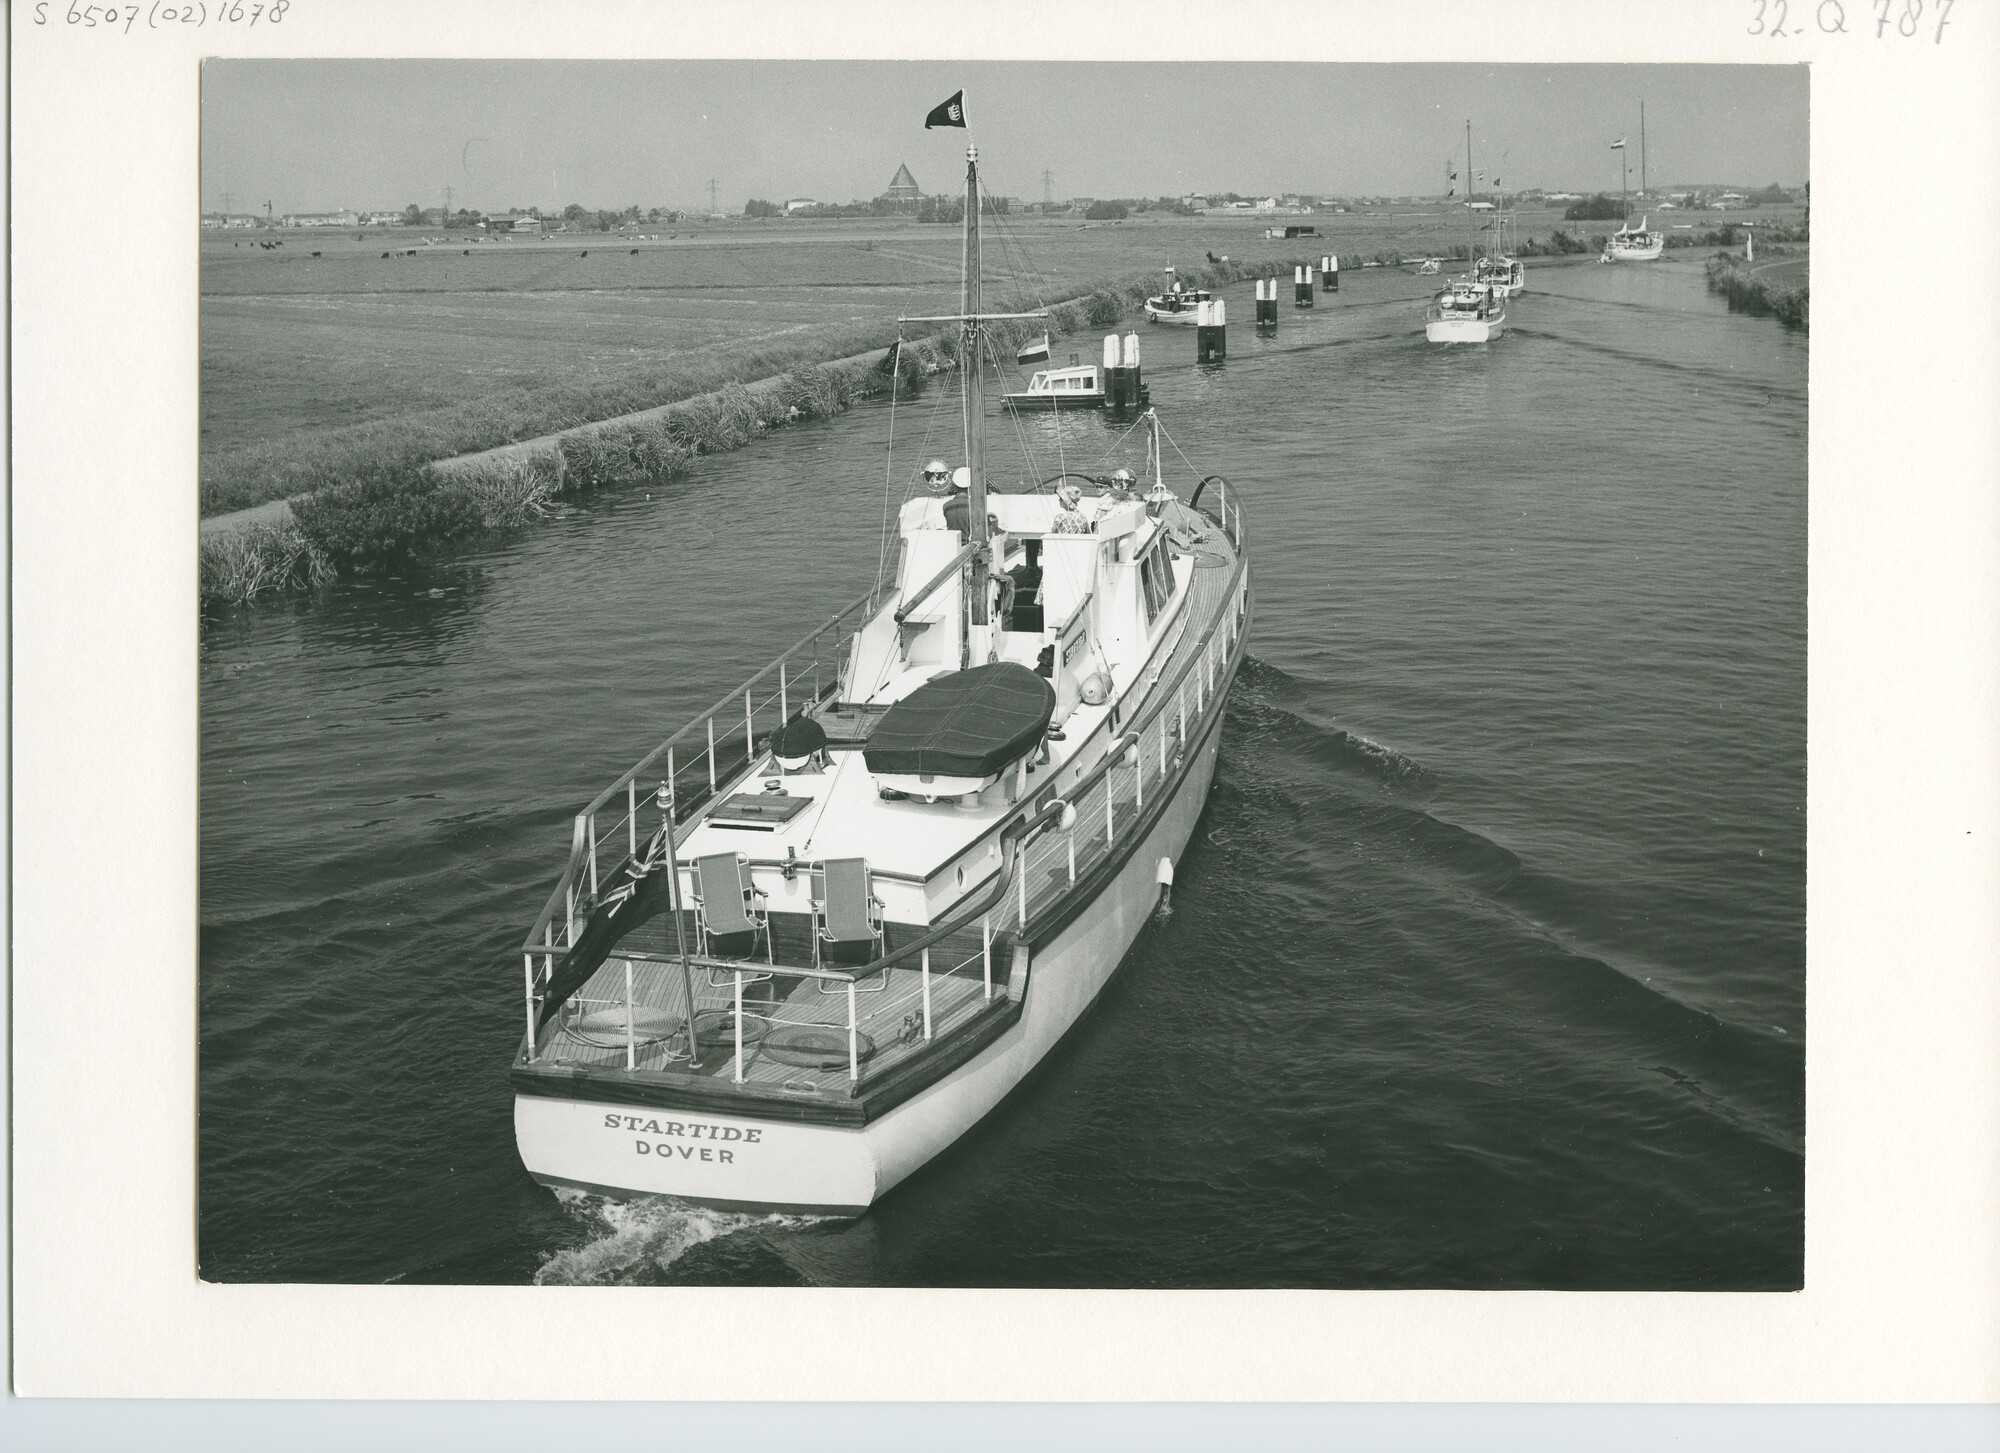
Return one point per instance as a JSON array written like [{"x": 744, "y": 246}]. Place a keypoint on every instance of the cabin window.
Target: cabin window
[{"x": 1156, "y": 579}]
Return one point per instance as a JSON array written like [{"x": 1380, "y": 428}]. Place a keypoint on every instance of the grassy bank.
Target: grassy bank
[
  {"x": 1751, "y": 292},
  {"x": 386, "y": 513}
]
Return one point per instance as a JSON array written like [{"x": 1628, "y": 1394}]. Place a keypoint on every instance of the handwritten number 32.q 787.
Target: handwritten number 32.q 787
[
  {"x": 191, "y": 12},
  {"x": 1830, "y": 18}
]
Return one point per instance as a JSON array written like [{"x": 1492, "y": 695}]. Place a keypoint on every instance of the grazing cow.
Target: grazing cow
[
  {"x": 315, "y": 254},
  {"x": 635, "y": 252},
  {"x": 385, "y": 254},
  {"x": 468, "y": 252},
  {"x": 411, "y": 253},
  {"x": 586, "y": 252}
]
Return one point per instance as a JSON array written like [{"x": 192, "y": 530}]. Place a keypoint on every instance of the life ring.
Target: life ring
[
  {"x": 716, "y": 1028},
  {"x": 815, "y": 1046}
]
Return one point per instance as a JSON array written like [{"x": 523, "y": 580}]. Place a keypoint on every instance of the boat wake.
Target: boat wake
[
  {"x": 637, "y": 1240},
  {"x": 1297, "y": 791}
]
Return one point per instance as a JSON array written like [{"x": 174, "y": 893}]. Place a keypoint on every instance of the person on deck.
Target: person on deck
[
  {"x": 1069, "y": 520},
  {"x": 1122, "y": 487},
  {"x": 958, "y": 509}
]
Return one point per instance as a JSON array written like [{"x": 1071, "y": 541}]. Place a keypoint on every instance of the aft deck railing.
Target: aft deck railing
[
  {"x": 1064, "y": 832},
  {"x": 697, "y": 763}
]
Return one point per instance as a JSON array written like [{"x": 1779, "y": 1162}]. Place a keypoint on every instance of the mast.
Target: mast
[
  {"x": 974, "y": 407},
  {"x": 1642, "y": 148},
  {"x": 1469, "y": 213}
]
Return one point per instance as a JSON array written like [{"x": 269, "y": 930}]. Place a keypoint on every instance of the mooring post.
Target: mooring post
[{"x": 1210, "y": 339}]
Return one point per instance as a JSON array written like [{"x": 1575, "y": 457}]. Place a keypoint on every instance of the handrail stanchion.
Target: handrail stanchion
[
  {"x": 1110, "y": 810},
  {"x": 1138, "y": 765},
  {"x": 784, "y": 701},
  {"x": 632, "y": 817},
  {"x": 711, "y": 751},
  {"x": 985, "y": 958},
  {"x": 927, "y": 994},
  {"x": 528, "y": 997},
  {"x": 1021, "y": 867},
  {"x": 665, "y": 798},
  {"x": 749, "y": 734},
  {"x": 631, "y": 1038},
  {"x": 739, "y": 1026},
  {"x": 590, "y": 831},
  {"x": 853, "y": 1038}
]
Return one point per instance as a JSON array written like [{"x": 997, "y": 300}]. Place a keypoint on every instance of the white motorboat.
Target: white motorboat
[
  {"x": 1176, "y": 303},
  {"x": 826, "y": 926},
  {"x": 1085, "y": 385},
  {"x": 1633, "y": 244},
  {"x": 1465, "y": 312}
]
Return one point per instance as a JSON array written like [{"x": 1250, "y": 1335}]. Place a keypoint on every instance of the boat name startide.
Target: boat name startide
[{"x": 693, "y": 1130}]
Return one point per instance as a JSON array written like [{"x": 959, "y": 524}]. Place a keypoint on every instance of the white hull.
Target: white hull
[
  {"x": 1464, "y": 330},
  {"x": 1644, "y": 254},
  {"x": 740, "y": 1163},
  {"x": 1185, "y": 318}
]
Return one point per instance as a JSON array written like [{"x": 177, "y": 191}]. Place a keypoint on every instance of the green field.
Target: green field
[{"x": 315, "y": 366}]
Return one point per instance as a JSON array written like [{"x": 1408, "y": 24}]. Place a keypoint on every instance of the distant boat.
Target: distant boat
[
  {"x": 1430, "y": 267},
  {"x": 1175, "y": 303},
  {"x": 1633, "y": 244},
  {"x": 1498, "y": 269},
  {"x": 1465, "y": 312},
  {"x": 1085, "y": 385},
  {"x": 1034, "y": 351}
]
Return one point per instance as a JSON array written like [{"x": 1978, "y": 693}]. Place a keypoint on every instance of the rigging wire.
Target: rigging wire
[{"x": 889, "y": 464}]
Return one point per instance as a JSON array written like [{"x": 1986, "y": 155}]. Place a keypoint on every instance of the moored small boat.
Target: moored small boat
[{"x": 1117, "y": 384}]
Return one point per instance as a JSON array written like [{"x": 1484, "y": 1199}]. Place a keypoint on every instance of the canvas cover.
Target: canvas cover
[{"x": 968, "y": 724}]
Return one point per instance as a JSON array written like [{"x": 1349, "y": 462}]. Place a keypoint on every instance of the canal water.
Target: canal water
[{"x": 1486, "y": 965}]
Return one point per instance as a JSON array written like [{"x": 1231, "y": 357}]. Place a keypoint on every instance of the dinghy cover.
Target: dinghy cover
[{"x": 968, "y": 724}]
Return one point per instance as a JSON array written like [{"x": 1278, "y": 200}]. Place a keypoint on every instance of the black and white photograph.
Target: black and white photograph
[
  {"x": 952, "y": 675},
  {"x": 852, "y": 725}
]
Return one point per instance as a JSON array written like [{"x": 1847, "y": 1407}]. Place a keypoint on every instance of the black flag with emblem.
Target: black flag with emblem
[{"x": 951, "y": 113}]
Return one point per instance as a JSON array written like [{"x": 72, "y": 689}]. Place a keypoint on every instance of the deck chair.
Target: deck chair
[
  {"x": 728, "y": 909},
  {"x": 847, "y": 918}
]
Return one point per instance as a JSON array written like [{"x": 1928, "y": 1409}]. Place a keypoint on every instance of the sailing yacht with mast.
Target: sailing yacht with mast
[
  {"x": 814, "y": 936},
  {"x": 1629, "y": 243}
]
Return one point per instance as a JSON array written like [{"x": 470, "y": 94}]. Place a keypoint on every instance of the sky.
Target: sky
[{"x": 315, "y": 135}]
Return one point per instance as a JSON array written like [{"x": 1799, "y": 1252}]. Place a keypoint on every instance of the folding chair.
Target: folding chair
[
  {"x": 847, "y": 918},
  {"x": 727, "y": 905}
]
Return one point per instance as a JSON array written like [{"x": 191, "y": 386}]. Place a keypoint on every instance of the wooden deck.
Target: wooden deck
[{"x": 787, "y": 1016}]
